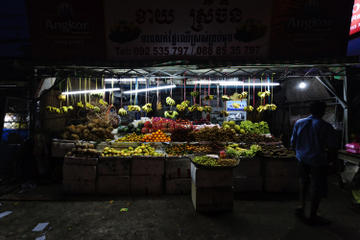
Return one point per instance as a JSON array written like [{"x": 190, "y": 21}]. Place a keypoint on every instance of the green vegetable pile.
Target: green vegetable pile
[
  {"x": 258, "y": 128},
  {"x": 214, "y": 162},
  {"x": 235, "y": 151},
  {"x": 206, "y": 161}
]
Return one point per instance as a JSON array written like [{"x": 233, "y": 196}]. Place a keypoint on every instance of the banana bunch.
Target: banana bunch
[
  {"x": 225, "y": 98},
  {"x": 147, "y": 107},
  {"x": 64, "y": 109},
  {"x": 185, "y": 103},
  {"x": 207, "y": 109},
  {"x": 89, "y": 106},
  {"x": 134, "y": 108},
  {"x": 209, "y": 97},
  {"x": 171, "y": 114},
  {"x": 194, "y": 93},
  {"x": 158, "y": 106},
  {"x": 271, "y": 107},
  {"x": 224, "y": 113},
  {"x": 248, "y": 108},
  {"x": 264, "y": 94},
  {"x": 260, "y": 108},
  {"x": 122, "y": 112},
  {"x": 244, "y": 94},
  {"x": 102, "y": 102},
  {"x": 235, "y": 97},
  {"x": 62, "y": 97},
  {"x": 180, "y": 107},
  {"x": 96, "y": 109},
  {"x": 61, "y": 110},
  {"x": 239, "y": 96},
  {"x": 80, "y": 105},
  {"x": 200, "y": 109},
  {"x": 236, "y": 105},
  {"x": 170, "y": 101},
  {"x": 53, "y": 109},
  {"x": 193, "y": 108}
]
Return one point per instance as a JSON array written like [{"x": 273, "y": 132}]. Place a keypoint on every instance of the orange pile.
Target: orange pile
[{"x": 158, "y": 136}]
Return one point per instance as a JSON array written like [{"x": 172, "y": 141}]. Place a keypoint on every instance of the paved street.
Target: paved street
[{"x": 173, "y": 217}]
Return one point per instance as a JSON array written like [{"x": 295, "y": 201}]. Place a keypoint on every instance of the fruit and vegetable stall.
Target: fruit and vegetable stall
[{"x": 148, "y": 142}]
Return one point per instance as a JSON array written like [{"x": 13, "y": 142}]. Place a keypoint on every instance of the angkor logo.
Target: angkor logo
[
  {"x": 64, "y": 21},
  {"x": 65, "y": 10}
]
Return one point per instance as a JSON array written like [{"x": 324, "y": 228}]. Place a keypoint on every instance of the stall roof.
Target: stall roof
[{"x": 180, "y": 69}]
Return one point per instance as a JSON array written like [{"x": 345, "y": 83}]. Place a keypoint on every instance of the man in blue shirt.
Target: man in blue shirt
[{"x": 311, "y": 137}]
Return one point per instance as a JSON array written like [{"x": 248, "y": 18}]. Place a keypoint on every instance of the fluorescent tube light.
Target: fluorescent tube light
[
  {"x": 124, "y": 79},
  {"x": 236, "y": 83},
  {"x": 150, "y": 89},
  {"x": 206, "y": 82},
  {"x": 92, "y": 91}
]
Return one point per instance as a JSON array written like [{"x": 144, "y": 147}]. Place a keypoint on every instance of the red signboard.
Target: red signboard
[{"x": 355, "y": 20}]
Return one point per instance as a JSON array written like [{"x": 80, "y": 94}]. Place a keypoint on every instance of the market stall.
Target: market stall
[{"x": 138, "y": 135}]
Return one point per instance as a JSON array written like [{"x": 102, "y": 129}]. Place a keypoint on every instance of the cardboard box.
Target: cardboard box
[
  {"x": 79, "y": 172},
  {"x": 248, "y": 167},
  {"x": 147, "y": 166},
  {"x": 248, "y": 184},
  {"x": 114, "y": 166},
  {"x": 146, "y": 185},
  {"x": 178, "y": 186},
  {"x": 177, "y": 168},
  {"x": 211, "y": 177},
  {"x": 81, "y": 161},
  {"x": 212, "y": 199},
  {"x": 113, "y": 185},
  {"x": 280, "y": 167},
  {"x": 288, "y": 184},
  {"x": 80, "y": 186}
]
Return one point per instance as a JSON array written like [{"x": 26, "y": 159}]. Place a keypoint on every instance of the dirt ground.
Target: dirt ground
[{"x": 173, "y": 217}]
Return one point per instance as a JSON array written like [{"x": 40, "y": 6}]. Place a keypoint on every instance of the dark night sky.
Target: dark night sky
[{"x": 14, "y": 34}]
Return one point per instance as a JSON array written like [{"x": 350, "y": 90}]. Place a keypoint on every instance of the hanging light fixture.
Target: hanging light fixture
[
  {"x": 150, "y": 89},
  {"x": 91, "y": 91},
  {"x": 302, "y": 85}
]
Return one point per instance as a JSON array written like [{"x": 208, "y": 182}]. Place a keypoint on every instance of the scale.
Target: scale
[{"x": 236, "y": 114}]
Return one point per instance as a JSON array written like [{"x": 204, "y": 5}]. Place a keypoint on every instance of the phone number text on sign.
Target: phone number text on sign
[{"x": 189, "y": 51}]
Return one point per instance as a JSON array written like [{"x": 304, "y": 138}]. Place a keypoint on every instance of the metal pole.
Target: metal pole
[
  {"x": 344, "y": 104},
  {"x": 346, "y": 112}
]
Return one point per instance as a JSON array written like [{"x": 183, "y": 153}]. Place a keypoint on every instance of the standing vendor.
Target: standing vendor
[{"x": 310, "y": 139}]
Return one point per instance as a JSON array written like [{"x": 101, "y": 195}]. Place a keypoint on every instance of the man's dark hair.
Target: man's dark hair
[{"x": 317, "y": 108}]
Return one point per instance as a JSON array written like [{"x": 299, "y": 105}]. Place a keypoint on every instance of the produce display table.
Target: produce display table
[
  {"x": 144, "y": 175},
  {"x": 280, "y": 174},
  {"x": 349, "y": 157}
]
